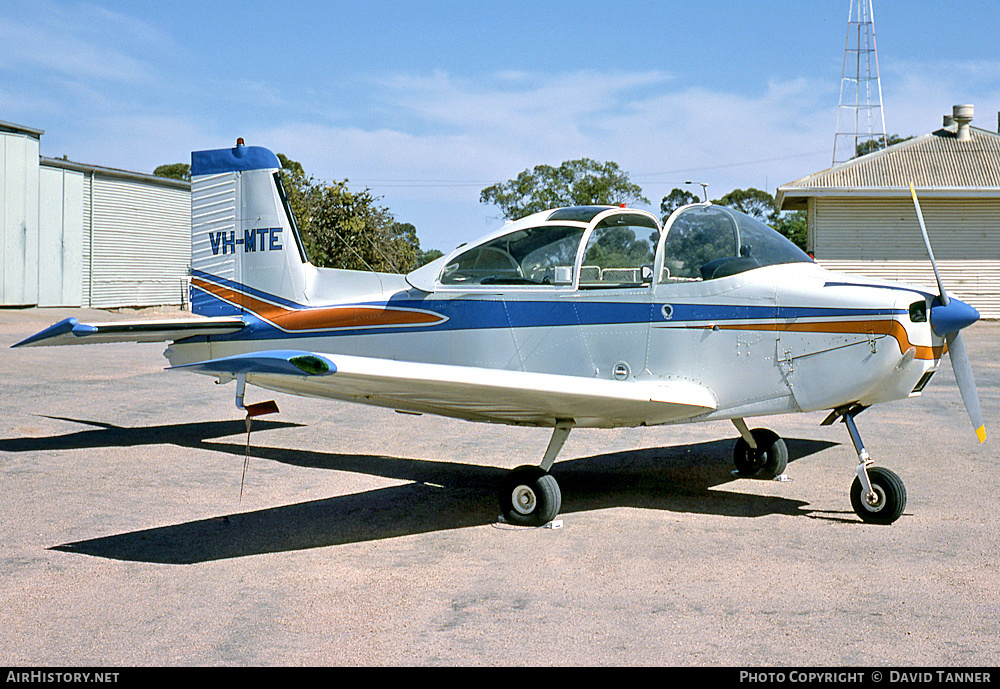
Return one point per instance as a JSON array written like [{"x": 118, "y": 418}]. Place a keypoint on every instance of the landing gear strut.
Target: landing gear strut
[
  {"x": 878, "y": 495},
  {"x": 529, "y": 495}
]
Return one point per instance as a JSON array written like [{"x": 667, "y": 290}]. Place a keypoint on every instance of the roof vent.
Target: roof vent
[{"x": 963, "y": 116}]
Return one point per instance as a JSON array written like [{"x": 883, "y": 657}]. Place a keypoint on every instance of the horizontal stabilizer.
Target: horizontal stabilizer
[
  {"x": 72, "y": 332},
  {"x": 274, "y": 362}
]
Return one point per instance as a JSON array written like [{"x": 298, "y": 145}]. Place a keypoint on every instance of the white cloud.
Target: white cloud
[
  {"x": 916, "y": 95},
  {"x": 81, "y": 42},
  {"x": 449, "y": 130}
]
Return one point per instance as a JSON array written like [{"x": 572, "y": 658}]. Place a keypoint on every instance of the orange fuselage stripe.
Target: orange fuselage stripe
[
  {"x": 324, "y": 318},
  {"x": 890, "y": 327}
]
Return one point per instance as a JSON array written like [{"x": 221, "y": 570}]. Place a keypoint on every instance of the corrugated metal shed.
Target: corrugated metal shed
[
  {"x": 86, "y": 235},
  {"x": 935, "y": 163},
  {"x": 134, "y": 246},
  {"x": 60, "y": 237},
  {"x": 862, "y": 219},
  {"x": 18, "y": 214}
]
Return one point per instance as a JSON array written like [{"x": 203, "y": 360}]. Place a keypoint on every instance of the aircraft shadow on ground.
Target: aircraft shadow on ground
[
  {"x": 109, "y": 435},
  {"x": 439, "y": 496}
]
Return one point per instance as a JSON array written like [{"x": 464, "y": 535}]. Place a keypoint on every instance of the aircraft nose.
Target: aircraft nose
[{"x": 950, "y": 318}]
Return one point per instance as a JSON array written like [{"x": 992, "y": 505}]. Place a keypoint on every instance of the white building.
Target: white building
[
  {"x": 85, "y": 235},
  {"x": 862, "y": 219}
]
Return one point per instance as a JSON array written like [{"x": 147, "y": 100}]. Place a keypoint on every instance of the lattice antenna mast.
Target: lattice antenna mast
[{"x": 860, "y": 116}]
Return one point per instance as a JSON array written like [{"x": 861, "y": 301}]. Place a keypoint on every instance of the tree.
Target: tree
[
  {"x": 349, "y": 230},
  {"x": 872, "y": 145},
  {"x": 674, "y": 200},
  {"x": 754, "y": 202},
  {"x": 341, "y": 228},
  {"x": 580, "y": 182},
  {"x": 761, "y": 205},
  {"x": 795, "y": 226},
  {"x": 174, "y": 171},
  {"x": 426, "y": 257}
]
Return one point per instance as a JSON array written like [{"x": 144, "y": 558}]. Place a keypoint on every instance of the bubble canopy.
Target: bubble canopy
[{"x": 595, "y": 247}]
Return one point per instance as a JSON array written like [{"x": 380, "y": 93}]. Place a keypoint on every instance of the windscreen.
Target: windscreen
[{"x": 709, "y": 242}]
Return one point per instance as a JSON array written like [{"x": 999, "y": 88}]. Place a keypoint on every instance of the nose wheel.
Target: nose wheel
[
  {"x": 878, "y": 495},
  {"x": 885, "y": 502}
]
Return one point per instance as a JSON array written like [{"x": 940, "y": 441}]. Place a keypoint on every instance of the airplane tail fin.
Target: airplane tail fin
[{"x": 246, "y": 253}]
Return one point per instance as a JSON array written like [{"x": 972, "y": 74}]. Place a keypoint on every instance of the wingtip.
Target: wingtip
[
  {"x": 64, "y": 326},
  {"x": 981, "y": 433}
]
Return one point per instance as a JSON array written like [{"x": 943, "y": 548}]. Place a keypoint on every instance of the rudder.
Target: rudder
[{"x": 245, "y": 249}]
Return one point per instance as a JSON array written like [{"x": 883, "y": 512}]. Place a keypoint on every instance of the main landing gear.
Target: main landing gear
[
  {"x": 529, "y": 495},
  {"x": 759, "y": 453}
]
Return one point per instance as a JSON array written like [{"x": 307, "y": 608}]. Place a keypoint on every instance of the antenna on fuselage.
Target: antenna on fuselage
[{"x": 704, "y": 188}]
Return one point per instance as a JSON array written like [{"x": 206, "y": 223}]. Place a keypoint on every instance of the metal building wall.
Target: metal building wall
[
  {"x": 60, "y": 237},
  {"x": 140, "y": 243},
  {"x": 881, "y": 238},
  {"x": 85, "y": 246},
  {"x": 18, "y": 218},
  {"x": 887, "y": 229}
]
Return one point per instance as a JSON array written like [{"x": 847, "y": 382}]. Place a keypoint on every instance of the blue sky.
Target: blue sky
[{"x": 426, "y": 103}]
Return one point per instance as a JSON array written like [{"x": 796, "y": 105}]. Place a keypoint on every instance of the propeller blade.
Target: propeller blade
[
  {"x": 927, "y": 243},
  {"x": 966, "y": 382},
  {"x": 951, "y": 318}
]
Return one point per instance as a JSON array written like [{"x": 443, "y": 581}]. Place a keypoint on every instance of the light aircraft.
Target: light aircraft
[{"x": 583, "y": 317}]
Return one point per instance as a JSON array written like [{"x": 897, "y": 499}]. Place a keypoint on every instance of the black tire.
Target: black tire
[
  {"x": 891, "y": 497},
  {"x": 768, "y": 461},
  {"x": 529, "y": 496}
]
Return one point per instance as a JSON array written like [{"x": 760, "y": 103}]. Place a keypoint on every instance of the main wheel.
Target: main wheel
[
  {"x": 890, "y": 497},
  {"x": 767, "y": 461},
  {"x": 529, "y": 496}
]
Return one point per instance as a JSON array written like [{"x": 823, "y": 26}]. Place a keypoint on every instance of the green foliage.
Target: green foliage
[
  {"x": 580, "y": 182},
  {"x": 761, "y": 205},
  {"x": 696, "y": 238},
  {"x": 795, "y": 226},
  {"x": 426, "y": 257},
  {"x": 291, "y": 165},
  {"x": 341, "y": 228},
  {"x": 872, "y": 145},
  {"x": 674, "y": 200},
  {"x": 174, "y": 171},
  {"x": 754, "y": 202},
  {"x": 618, "y": 247}
]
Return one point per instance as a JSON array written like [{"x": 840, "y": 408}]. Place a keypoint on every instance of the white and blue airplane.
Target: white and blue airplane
[{"x": 583, "y": 317}]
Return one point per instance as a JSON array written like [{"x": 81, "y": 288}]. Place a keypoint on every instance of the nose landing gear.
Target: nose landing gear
[{"x": 878, "y": 495}]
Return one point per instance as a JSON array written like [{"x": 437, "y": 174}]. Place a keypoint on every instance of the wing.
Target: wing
[
  {"x": 71, "y": 331},
  {"x": 477, "y": 394}
]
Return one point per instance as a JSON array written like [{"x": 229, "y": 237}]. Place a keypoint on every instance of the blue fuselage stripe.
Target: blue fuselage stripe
[{"x": 493, "y": 312}]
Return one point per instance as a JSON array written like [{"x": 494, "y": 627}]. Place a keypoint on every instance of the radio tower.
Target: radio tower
[{"x": 860, "y": 87}]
